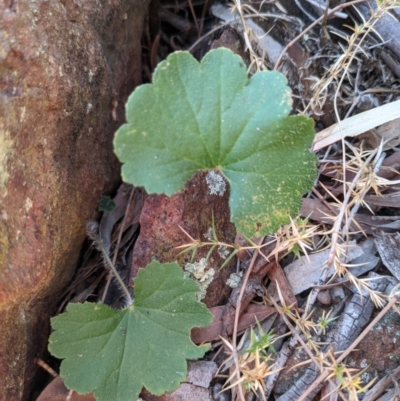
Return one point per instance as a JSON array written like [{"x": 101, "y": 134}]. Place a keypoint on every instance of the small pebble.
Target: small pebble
[
  {"x": 218, "y": 396},
  {"x": 324, "y": 297}
]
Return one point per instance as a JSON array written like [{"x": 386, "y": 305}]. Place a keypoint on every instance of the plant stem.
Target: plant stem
[
  {"x": 121, "y": 230},
  {"x": 96, "y": 239}
]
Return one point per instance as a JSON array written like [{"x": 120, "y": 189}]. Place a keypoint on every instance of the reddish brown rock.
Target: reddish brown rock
[
  {"x": 66, "y": 69},
  {"x": 192, "y": 209}
]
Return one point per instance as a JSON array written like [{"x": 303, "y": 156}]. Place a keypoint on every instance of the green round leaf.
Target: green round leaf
[
  {"x": 209, "y": 115},
  {"x": 117, "y": 353}
]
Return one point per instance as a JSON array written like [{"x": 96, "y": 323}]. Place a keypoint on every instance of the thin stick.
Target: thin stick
[
  {"x": 199, "y": 40},
  {"x": 237, "y": 313},
  {"x": 46, "y": 367},
  {"x": 235, "y": 21},
  {"x": 338, "y": 8},
  {"x": 339, "y": 218},
  {"x": 194, "y": 17}
]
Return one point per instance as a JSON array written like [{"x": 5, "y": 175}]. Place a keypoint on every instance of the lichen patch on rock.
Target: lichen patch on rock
[
  {"x": 216, "y": 183},
  {"x": 5, "y": 146}
]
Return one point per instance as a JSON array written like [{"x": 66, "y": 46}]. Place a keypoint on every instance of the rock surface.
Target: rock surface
[
  {"x": 66, "y": 69},
  {"x": 192, "y": 209}
]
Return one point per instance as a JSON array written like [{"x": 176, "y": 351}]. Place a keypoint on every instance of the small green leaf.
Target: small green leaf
[
  {"x": 106, "y": 204},
  {"x": 116, "y": 353},
  {"x": 209, "y": 115}
]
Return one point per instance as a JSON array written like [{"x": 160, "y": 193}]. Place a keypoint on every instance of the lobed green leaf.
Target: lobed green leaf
[
  {"x": 117, "y": 353},
  {"x": 209, "y": 115}
]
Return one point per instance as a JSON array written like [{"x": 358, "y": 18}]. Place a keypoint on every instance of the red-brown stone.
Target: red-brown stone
[
  {"x": 192, "y": 209},
  {"x": 66, "y": 69}
]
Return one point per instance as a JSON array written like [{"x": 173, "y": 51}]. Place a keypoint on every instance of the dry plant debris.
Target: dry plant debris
[{"x": 346, "y": 202}]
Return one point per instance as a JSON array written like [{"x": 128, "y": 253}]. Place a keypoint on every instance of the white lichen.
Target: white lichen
[
  {"x": 234, "y": 279},
  {"x": 209, "y": 234},
  {"x": 223, "y": 251},
  {"x": 6, "y": 146},
  {"x": 216, "y": 183},
  {"x": 198, "y": 272}
]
